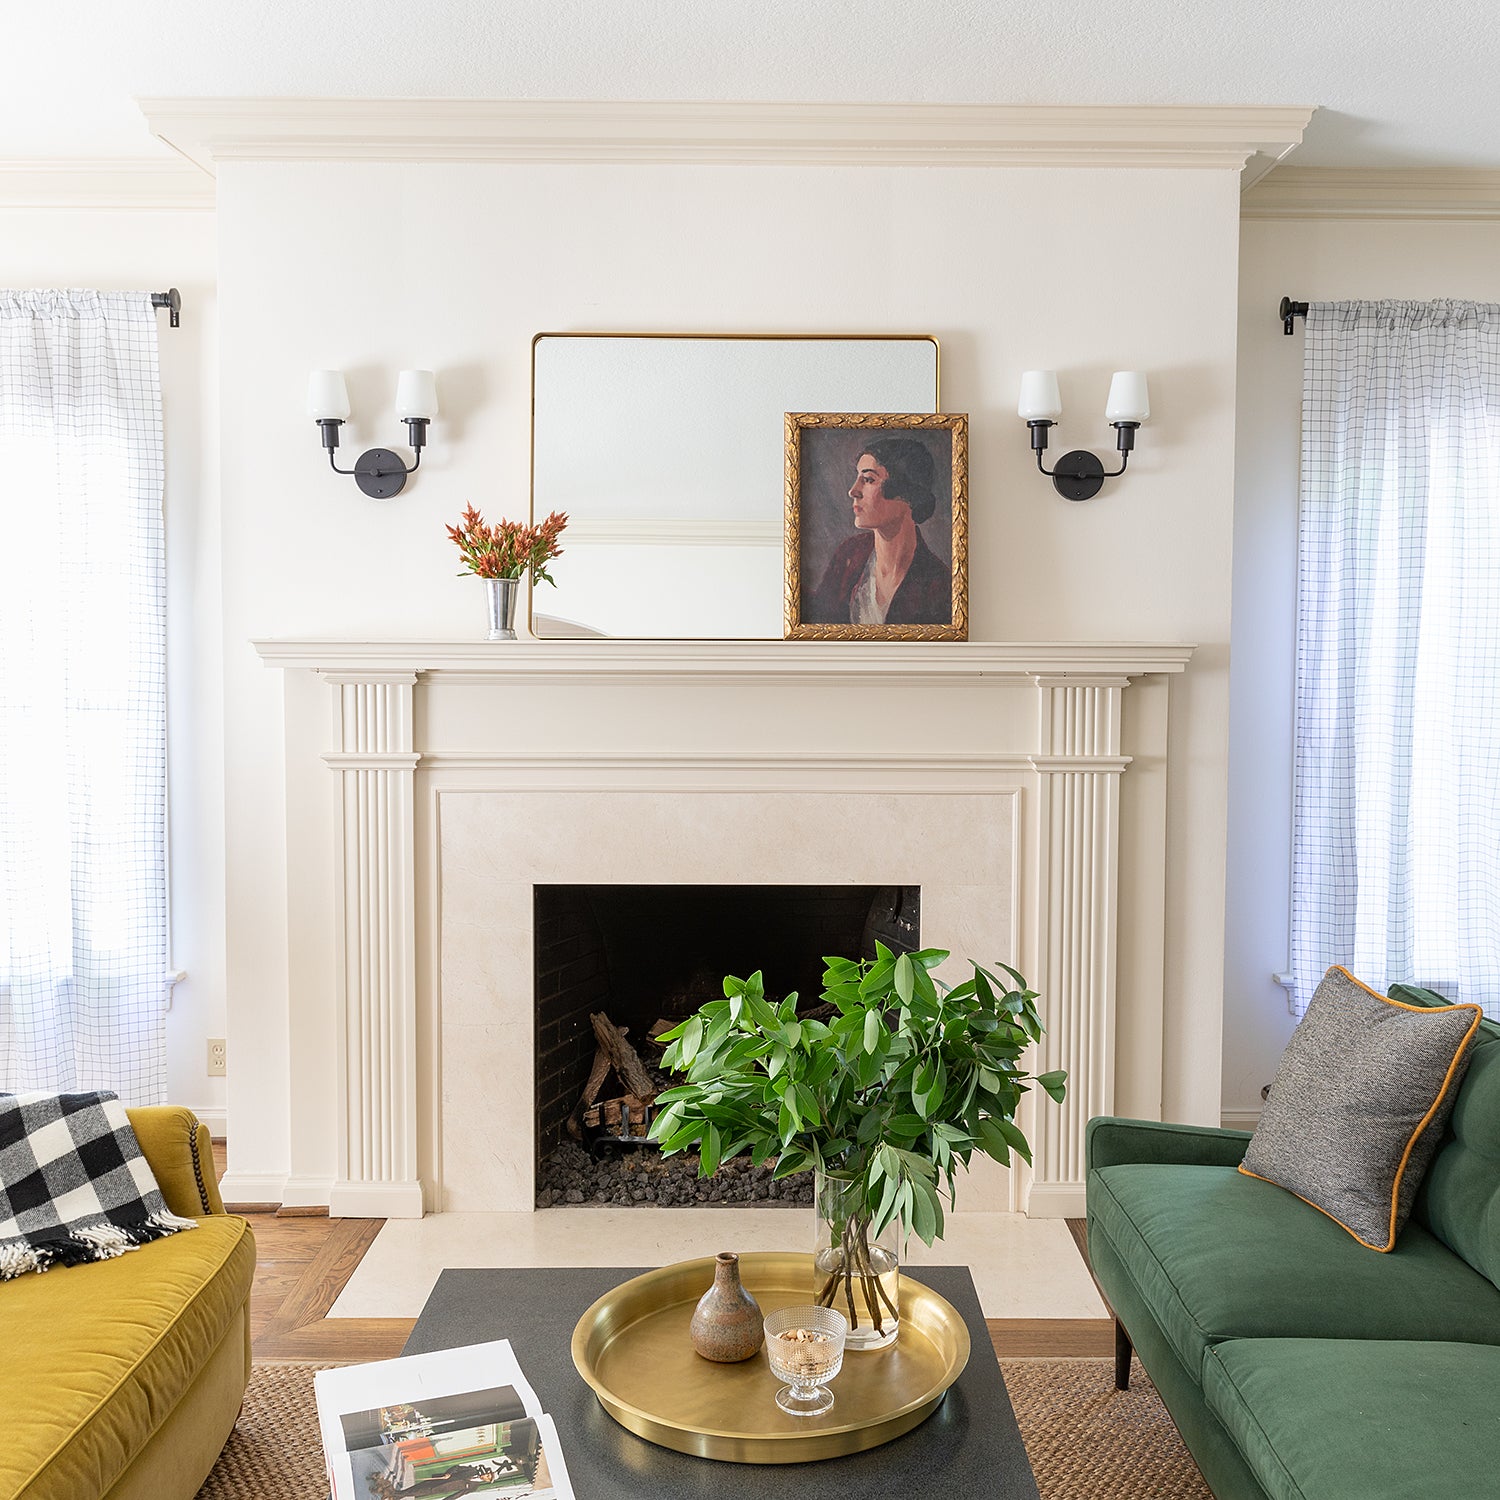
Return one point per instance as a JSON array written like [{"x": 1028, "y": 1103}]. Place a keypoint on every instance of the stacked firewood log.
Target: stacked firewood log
[{"x": 624, "y": 1115}]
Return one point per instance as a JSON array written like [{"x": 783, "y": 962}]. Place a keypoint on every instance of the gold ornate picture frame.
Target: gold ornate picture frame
[{"x": 877, "y": 526}]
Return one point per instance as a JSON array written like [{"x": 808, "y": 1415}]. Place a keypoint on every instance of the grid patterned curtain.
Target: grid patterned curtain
[
  {"x": 1396, "y": 844},
  {"x": 83, "y": 900}
]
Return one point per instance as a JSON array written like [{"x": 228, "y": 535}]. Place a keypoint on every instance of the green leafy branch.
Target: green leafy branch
[{"x": 897, "y": 1091}]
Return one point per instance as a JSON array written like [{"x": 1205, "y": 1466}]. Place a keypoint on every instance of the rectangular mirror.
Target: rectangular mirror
[{"x": 666, "y": 451}]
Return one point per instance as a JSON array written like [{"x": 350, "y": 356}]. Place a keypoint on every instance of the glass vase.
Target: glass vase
[{"x": 855, "y": 1272}]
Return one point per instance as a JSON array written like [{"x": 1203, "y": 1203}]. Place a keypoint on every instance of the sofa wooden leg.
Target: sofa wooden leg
[{"x": 1122, "y": 1357}]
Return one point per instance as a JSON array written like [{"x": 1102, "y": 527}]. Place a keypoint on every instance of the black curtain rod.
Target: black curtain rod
[
  {"x": 1287, "y": 311},
  {"x": 173, "y": 298}
]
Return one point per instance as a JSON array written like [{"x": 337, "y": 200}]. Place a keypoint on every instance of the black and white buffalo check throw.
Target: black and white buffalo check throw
[{"x": 74, "y": 1185}]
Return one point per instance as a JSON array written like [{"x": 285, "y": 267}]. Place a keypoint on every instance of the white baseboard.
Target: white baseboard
[
  {"x": 1239, "y": 1119},
  {"x": 375, "y": 1200},
  {"x": 249, "y": 1187},
  {"x": 1056, "y": 1200},
  {"x": 217, "y": 1120}
]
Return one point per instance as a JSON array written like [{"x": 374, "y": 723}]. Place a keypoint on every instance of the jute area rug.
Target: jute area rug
[{"x": 1086, "y": 1440}]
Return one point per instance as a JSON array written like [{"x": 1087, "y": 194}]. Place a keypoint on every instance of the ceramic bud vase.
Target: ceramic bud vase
[
  {"x": 503, "y": 594},
  {"x": 855, "y": 1272},
  {"x": 727, "y": 1324}
]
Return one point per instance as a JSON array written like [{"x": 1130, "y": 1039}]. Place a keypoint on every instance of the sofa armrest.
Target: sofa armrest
[
  {"x": 1111, "y": 1141},
  {"x": 177, "y": 1149}
]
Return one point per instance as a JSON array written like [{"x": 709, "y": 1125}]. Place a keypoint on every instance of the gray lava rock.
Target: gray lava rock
[{"x": 570, "y": 1174}]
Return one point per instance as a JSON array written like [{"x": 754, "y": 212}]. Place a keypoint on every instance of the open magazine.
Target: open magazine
[{"x": 456, "y": 1422}]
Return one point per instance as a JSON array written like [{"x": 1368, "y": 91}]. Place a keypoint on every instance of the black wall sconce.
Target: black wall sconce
[
  {"x": 1079, "y": 475},
  {"x": 377, "y": 471}
]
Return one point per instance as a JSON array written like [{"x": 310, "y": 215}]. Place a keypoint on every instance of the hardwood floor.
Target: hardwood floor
[{"x": 303, "y": 1261}]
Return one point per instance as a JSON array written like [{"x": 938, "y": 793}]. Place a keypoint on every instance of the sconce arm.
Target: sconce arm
[
  {"x": 378, "y": 472},
  {"x": 378, "y": 468},
  {"x": 1106, "y": 474},
  {"x": 1079, "y": 475}
]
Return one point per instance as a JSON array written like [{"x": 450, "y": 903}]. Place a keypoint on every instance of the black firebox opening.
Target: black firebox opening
[{"x": 644, "y": 953}]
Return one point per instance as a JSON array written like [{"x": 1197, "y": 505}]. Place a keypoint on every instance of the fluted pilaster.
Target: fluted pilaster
[
  {"x": 1078, "y": 770},
  {"x": 375, "y": 759}
]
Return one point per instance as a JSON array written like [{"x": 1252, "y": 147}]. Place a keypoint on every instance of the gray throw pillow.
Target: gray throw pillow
[{"x": 1359, "y": 1104}]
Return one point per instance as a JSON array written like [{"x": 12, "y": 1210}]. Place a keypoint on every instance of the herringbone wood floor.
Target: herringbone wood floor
[{"x": 303, "y": 1261}]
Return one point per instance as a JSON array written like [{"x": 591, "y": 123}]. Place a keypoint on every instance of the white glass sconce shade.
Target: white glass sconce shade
[
  {"x": 327, "y": 396},
  {"x": 1041, "y": 401},
  {"x": 416, "y": 395},
  {"x": 1129, "y": 400}
]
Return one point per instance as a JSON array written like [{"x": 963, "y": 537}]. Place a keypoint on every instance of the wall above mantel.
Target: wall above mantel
[{"x": 1003, "y": 263}]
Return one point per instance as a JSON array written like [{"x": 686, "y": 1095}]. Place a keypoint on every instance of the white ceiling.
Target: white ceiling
[{"x": 1398, "y": 85}]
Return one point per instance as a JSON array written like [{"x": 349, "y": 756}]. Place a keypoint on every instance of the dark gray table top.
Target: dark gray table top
[{"x": 968, "y": 1449}]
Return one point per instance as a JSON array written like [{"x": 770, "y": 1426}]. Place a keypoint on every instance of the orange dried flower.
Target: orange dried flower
[{"x": 508, "y": 549}]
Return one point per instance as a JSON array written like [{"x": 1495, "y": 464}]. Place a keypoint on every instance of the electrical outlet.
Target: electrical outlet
[{"x": 217, "y": 1056}]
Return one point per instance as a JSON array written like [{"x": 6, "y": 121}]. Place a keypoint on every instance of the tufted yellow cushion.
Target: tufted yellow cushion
[{"x": 99, "y": 1355}]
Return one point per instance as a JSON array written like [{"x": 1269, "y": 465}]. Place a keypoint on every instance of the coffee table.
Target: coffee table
[{"x": 969, "y": 1446}]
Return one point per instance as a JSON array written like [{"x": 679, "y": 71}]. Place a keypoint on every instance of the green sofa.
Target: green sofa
[
  {"x": 1297, "y": 1363},
  {"x": 123, "y": 1378}
]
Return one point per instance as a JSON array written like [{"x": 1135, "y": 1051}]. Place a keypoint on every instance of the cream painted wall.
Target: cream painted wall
[
  {"x": 1317, "y": 260},
  {"x": 371, "y": 267},
  {"x": 122, "y": 250},
  {"x": 446, "y": 294}
]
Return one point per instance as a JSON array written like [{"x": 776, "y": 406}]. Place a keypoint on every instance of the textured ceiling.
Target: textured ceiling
[{"x": 1398, "y": 85}]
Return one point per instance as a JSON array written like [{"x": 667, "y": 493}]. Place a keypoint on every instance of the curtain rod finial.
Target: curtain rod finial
[{"x": 171, "y": 298}]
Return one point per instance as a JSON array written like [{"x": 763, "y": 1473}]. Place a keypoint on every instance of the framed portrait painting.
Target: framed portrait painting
[{"x": 877, "y": 526}]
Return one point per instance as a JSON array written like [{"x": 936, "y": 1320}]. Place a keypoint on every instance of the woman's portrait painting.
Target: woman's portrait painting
[{"x": 877, "y": 541}]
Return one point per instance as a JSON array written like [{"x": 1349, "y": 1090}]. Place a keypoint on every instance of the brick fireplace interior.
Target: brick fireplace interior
[{"x": 644, "y": 953}]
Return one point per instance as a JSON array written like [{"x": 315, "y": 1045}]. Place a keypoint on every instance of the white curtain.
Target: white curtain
[
  {"x": 83, "y": 902},
  {"x": 1396, "y": 846}
]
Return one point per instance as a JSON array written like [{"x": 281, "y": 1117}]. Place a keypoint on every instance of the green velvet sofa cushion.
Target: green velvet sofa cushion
[
  {"x": 1460, "y": 1198},
  {"x": 1360, "y": 1419},
  {"x": 1218, "y": 1255}
]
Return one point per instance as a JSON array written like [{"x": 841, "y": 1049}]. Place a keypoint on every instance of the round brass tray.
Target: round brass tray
[{"x": 632, "y": 1347}]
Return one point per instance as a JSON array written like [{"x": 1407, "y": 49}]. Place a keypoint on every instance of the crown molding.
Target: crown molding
[
  {"x": 125, "y": 183},
  {"x": 209, "y": 131},
  {"x": 1409, "y": 193}
]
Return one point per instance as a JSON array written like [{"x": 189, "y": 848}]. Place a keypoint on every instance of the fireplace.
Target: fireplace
[
  {"x": 464, "y": 778},
  {"x": 635, "y": 959}
]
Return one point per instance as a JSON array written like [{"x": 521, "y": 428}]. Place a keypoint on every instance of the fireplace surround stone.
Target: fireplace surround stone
[{"x": 466, "y": 774}]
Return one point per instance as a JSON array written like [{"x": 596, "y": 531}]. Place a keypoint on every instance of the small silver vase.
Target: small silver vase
[{"x": 503, "y": 593}]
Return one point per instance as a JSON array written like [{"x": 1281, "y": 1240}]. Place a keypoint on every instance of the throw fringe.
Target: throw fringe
[{"x": 88, "y": 1243}]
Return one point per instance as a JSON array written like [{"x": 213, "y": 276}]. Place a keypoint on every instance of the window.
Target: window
[
  {"x": 82, "y": 696},
  {"x": 1396, "y": 846}
]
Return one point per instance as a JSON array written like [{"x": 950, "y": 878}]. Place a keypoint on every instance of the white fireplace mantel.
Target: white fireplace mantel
[
  {"x": 1031, "y": 734},
  {"x": 920, "y": 661}
]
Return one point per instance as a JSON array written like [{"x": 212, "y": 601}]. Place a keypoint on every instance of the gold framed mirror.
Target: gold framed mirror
[{"x": 666, "y": 451}]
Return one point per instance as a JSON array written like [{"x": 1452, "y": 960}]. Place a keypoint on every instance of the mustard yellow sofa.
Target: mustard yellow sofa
[{"x": 123, "y": 1378}]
